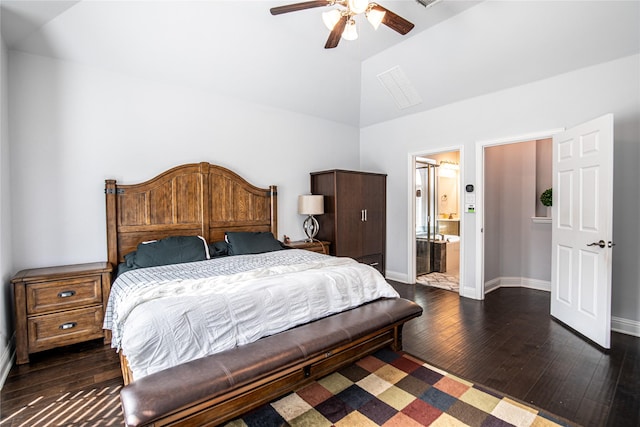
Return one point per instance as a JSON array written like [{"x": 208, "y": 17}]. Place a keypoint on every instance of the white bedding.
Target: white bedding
[{"x": 161, "y": 321}]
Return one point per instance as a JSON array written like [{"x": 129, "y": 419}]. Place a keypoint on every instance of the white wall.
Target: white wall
[
  {"x": 74, "y": 126},
  {"x": 6, "y": 313},
  {"x": 561, "y": 101}
]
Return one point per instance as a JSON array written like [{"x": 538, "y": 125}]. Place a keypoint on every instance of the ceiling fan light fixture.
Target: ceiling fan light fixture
[
  {"x": 375, "y": 17},
  {"x": 357, "y": 6},
  {"x": 341, "y": 21},
  {"x": 350, "y": 32},
  {"x": 331, "y": 18}
]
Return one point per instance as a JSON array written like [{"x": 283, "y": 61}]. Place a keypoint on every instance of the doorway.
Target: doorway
[
  {"x": 581, "y": 225},
  {"x": 436, "y": 224},
  {"x": 489, "y": 278},
  {"x": 517, "y": 227}
]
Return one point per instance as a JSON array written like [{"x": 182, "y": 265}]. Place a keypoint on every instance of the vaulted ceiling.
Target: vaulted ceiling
[{"x": 457, "y": 49}]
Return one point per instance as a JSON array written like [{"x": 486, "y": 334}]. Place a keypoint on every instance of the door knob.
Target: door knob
[{"x": 601, "y": 243}]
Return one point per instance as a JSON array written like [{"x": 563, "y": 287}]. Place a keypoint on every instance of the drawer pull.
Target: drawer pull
[
  {"x": 373, "y": 264},
  {"x": 66, "y": 294},
  {"x": 68, "y": 325}
]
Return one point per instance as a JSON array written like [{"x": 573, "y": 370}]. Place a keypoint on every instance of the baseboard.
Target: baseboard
[
  {"x": 491, "y": 285},
  {"x": 540, "y": 285},
  {"x": 516, "y": 282},
  {"x": 625, "y": 326},
  {"x": 398, "y": 277},
  {"x": 6, "y": 360}
]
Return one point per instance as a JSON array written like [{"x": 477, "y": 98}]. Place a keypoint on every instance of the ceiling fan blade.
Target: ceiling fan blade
[
  {"x": 336, "y": 33},
  {"x": 299, "y": 6},
  {"x": 393, "y": 21}
]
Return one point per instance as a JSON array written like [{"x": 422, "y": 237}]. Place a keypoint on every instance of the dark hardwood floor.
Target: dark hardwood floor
[
  {"x": 510, "y": 343},
  {"x": 507, "y": 342}
]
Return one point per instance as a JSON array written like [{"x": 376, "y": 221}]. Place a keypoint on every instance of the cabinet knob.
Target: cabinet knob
[
  {"x": 66, "y": 294},
  {"x": 68, "y": 325}
]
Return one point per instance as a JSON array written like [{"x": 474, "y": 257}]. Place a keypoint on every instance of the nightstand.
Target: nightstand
[
  {"x": 315, "y": 246},
  {"x": 57, "y": 306}
]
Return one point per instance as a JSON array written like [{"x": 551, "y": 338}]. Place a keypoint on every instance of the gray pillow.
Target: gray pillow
[
  {"x": 218, "y": 249},
  {"x": 170, "y": 250},
  {"x": 248, "y": 242}
]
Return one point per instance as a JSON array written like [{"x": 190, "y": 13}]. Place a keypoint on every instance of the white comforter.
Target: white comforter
[{"x": 161, "y": 322}]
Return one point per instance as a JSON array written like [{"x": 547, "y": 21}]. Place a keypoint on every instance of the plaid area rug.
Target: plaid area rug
[{"x": 394, "y": 389}]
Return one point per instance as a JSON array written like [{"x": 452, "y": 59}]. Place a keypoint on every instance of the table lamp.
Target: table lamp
[{"x": 310, "y": 205}]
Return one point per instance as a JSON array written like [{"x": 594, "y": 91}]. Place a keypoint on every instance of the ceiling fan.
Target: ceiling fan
[{"x": 340, "y": 21}]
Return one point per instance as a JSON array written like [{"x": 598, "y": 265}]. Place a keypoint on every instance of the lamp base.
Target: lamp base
[{"x": 311, "y": 227}]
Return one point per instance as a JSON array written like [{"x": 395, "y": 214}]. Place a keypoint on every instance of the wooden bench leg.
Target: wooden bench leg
[{"x": 397, "y": 338}]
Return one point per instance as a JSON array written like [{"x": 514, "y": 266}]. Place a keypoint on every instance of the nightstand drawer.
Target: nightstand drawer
[
  {"x": 68, "y": 327},
  {"x": 59, "y": 295}
]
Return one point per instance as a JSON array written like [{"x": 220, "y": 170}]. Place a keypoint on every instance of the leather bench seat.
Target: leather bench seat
[{"x": 166, "y": 392}]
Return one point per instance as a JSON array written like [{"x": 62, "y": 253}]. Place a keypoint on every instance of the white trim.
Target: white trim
[
  {"x": 625, "y": 326},
  {"x": 479, "y": 190},
  {"x": 479, "y": 187},
  {"x": 463, "y": 290},
  {"x": 517, "y": 282},
  {"x": 541, "y": 220},
  {"x": 492, "y": 285},
  {"x": 411, "y": 230},
  {"x": 6, "y": 360},
  {"x": 540, "y": 285},
  {"x": 520, "y": 138},
  {"x": 398, "y": 277}
]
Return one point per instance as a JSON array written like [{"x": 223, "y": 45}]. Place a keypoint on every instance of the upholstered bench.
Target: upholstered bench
[{"x": 217, "y": 388}]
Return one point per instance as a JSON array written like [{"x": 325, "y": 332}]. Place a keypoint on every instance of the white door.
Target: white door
[{"x": 582, "y": 228}]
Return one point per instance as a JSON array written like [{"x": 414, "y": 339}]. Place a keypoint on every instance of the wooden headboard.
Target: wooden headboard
[{"x": 187, "y": 200}]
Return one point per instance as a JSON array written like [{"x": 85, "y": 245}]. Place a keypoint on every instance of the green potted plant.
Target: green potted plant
[{"x": 547, "y": 199}]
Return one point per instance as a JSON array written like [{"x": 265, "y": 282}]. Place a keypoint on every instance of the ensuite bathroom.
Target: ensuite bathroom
[{"x": 437, "y": 219}]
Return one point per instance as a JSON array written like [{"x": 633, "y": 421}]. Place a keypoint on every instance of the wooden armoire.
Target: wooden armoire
[{"x": 354, "y": 221}]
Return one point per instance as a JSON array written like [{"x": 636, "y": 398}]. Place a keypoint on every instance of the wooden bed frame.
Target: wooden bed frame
[
  {"x": 207, "y": 200},
  {"x": 197, "y": 199}
]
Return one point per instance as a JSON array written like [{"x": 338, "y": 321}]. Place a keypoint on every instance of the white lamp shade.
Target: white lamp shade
[
  {"x": 358, "y": 6},
  {"x": 331, "y": 18},
  {"x": 375, "y": 17},
  {"x": 350, "y": 32},
  {"x": 311, "y": 204}
]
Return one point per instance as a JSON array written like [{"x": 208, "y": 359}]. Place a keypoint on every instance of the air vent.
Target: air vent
[
  {"x": 428, "y": 3},
  {"x": 400, "y": 88}
]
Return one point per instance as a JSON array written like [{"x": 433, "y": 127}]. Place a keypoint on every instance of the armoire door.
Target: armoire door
[
  {"x": 374, "y": 225},
  {"x": 350, "y": 214}
]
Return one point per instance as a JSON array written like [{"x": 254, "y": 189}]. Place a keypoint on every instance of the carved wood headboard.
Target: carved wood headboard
[{"x": 187, "y": 200}]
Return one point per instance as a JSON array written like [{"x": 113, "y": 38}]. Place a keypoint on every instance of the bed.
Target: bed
[{"x": 209, "y": 203}]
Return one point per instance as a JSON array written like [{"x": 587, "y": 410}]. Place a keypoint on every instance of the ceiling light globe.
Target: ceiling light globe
[
  {"x": 375, "y": 17},
  {"x": 331, "y": 18},
  {"x": 358, "y": 6},
  {"x": 350, "y": 32}
]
